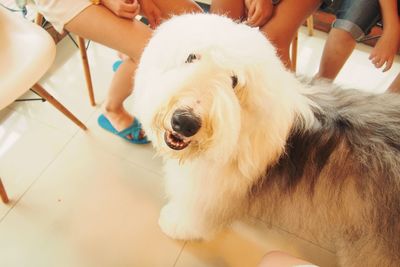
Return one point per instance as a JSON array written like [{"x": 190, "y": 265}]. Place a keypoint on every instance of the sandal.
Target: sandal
[
  {"x": 116, "y": 65},
  {"x": 131, "y": 134}
]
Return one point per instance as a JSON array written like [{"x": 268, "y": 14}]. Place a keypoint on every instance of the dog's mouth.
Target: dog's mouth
[{"x": 175, "y": 140}]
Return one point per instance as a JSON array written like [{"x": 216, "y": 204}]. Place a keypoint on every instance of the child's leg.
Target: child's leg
[
  {"x": 395, "y": 86},
  {"x": 176, "y": 7},
  {"x": 231, "y": 8},
  {"x": 355, "y": 18},
  {"x": 99, "y": 24},
  {"x": 285, "y": 22},
  {"x": 338, "y": 48}
]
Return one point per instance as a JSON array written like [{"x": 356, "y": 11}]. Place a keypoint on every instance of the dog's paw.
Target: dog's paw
[{"x": 178, "y": 225}]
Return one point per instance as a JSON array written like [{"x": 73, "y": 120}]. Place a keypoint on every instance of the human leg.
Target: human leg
[
  {"x": 99, "y": 24},
  {"x": 280, "y": 30},
  {"x": 176, "y": 7},
  {"x": 395, "y": 86},
  {"x": 354, "y": 20},
  {"x": 338, "y": 48},
  {"x": 234, "y": 9}
]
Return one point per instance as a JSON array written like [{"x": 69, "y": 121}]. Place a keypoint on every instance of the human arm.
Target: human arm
[
  {"x": 385, "y": 49},
  {"x": 125, "y": 9},
  {"x": 258, "y": 12},
  {"x": 151, "y": 12}
]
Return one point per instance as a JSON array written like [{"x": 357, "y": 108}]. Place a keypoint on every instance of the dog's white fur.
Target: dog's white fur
[
  {"x": 257, "y": 121},
  {"x": 260, "y": 109}
]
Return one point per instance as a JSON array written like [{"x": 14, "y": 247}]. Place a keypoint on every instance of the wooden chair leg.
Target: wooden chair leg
[
  {"x": 310, "y": 25},
  {"x": 3, "y": 193},
  {"x": 294, "y": 53},
  {"x": 85, "y": 62},
  {"x": 86, "y": 70},
  {"x": 39, "y": 19},
  {"x": 43, "y": 93}
]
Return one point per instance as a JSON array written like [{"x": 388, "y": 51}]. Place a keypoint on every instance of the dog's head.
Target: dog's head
[{"x": 206, "y": 86}]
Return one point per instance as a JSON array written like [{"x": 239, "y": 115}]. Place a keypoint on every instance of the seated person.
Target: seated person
[
  {"x": 113, "y": 24},
  {"x": 355, "y": 18},
  {"x": 278, "y": 20}
]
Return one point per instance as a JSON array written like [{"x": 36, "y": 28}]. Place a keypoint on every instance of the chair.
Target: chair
[
  {"x": 27, "y": 52},
  {"x": 3, "y": 193},
  {"x": 85, "y": 62},
  {"x": 310, "y": 26}
]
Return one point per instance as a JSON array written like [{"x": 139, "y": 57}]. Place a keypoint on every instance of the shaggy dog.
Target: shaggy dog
[{"x": 241, "y": 136}]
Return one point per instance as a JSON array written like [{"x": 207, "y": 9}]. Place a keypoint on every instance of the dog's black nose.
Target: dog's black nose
[{"x": 185, "y": 122}]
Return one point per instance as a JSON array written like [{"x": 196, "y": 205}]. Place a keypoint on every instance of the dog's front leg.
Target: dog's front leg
[
  {"x": 191, "y": 212},
  {"x": 179, "y": 221}
]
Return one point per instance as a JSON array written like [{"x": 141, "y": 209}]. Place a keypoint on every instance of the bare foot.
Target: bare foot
[{"x": 121, "y": 120}]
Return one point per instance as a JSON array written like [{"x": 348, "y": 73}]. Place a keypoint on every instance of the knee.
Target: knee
[{"x": 341, "y": 36}]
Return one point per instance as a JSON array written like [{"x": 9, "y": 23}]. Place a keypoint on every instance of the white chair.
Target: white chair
[{"x": 26, "y": 53}]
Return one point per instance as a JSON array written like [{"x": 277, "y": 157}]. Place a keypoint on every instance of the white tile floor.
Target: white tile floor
[{"x": 91, "y": 199}]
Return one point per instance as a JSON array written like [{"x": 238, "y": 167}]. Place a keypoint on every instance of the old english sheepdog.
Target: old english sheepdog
[{"x": 242, "y": 136}]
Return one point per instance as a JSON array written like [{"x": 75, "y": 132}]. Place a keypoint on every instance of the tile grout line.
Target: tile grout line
[
  {"x": 297, "y": 236},
  {"x": 14, "y": 203},
  {"x": 179, "y": 254},
  {"x": 27, "y": 114}
]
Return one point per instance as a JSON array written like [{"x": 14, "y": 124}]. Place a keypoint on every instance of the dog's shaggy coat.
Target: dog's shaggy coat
[{"x": 242, "y": 136}]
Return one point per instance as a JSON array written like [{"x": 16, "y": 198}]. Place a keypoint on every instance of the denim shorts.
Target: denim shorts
[{"x": 355, "y": 16}]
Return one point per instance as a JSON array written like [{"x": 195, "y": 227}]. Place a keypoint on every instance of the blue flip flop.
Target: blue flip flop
[{"x": 130, "y": 134}]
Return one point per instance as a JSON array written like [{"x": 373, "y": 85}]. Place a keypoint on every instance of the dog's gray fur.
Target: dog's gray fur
[
  {"x": 347, "y": 164},
  {"x": 312, "y": 159}
]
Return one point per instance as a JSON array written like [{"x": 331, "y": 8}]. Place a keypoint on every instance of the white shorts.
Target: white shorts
[{"x": 60, "y": 12}]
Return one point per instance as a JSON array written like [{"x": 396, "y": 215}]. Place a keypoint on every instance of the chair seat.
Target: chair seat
[{"x": 26, "y": 52}]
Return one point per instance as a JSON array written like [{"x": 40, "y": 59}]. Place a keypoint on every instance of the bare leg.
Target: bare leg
[
  {"x": 176, "y": 7},
  {"x": 231, "y": 8},
  {"x": 338, "y": 47},
  {"x": 288, "y": 16},
  {"x": 395, "y": 86},
  {"x": 99, "y": 24},
  {"x": 129, "y": 37}
]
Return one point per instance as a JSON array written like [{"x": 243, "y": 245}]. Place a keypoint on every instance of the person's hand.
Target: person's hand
[
  {"x": 151, "y": 12},
  {"x": 258, "y": 12},
  {"x": 385, "y": 50},
  {"x": 128, "y": 9}
]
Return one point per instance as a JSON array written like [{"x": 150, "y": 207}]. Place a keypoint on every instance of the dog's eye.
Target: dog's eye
[
  {"x": 234, "y": 81},
  {"x": 191, "y": 58}
]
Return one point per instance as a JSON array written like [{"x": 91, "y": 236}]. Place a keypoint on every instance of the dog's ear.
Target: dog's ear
[{"x": 234, "y": 81}]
